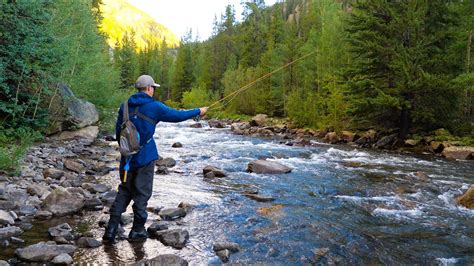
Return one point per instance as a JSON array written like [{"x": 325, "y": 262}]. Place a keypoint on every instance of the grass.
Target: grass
[{"x": 14, "y": 144}]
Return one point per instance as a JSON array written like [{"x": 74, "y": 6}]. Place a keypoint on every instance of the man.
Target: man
[{"x": 139, "y": 182}]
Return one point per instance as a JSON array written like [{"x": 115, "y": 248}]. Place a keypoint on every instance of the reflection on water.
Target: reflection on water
[{"x": 363, "y": 206}]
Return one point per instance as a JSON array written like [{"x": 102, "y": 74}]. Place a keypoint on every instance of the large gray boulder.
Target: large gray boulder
[
  {"x": 267, "y": 167},
  {"x": 67, "y": 112},
  {"x": 61, "y": 202},
  {"x": 43, "y": 252}
]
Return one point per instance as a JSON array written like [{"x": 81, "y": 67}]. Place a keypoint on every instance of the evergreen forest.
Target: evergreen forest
[{"x": 396, "y": 66}]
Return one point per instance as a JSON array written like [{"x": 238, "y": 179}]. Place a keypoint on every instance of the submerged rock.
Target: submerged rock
[
  {"x": 43, "y": 252},
  {"x": 176, "y": 238},
  {"x": 88, "y": 242},
  {"x": 177, "y": 145},
  {"x": 164, "y": 260},
  {"x": 211, "y": 172},
  {"x": 267, "y": 167},
  {"x": 234, "y": 247},
  {"x": 467, "y": 199},
  {"x": 260, "y": 198},
  {"x": 62, "y": 230}
]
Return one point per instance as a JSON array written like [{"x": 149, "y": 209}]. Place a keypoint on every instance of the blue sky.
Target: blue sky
[{"x": 180, "y": 15}]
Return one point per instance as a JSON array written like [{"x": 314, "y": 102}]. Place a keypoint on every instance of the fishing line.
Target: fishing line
[{"x": 247, "y": 86}]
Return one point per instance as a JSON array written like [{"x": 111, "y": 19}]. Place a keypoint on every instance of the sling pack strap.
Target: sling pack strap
[
  {"x": 144, "y": 117},
  {"x": 126, "y": 114}
]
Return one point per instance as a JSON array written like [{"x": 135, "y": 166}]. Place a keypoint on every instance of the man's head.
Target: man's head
[{"x": 146, "y": 84}]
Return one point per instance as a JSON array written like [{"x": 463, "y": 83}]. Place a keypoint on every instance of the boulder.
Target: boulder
[
  {"x": 53, "y": 173},
  {"x": 172, "y": 213},
  {"x": 62, "y": 259},
  {"x": 258, "y": 120},
  {"x": 234, "y": 247},
  {"x": 7, "y": 232},
  {"x": 157, "y": 226},
  {"x": 166, "y": 162},
  {"x": 176, "y": 238},
  {"x": 216, "y": 123},
  {"x": 386, "y": 142},
  {"x": 437, "y": 146},
  {"x": 411, "y": 142},
  {"x": 467, "y": 199},
  {"x": 267, "y": 167},
  {"x": 6, "y": 218},
  {"x": 459, "y": 153},
  {"x": 211, "y": 171},
  {"x": 177, "y": 145},
  {"x": 43, "y": 252},
  {"x": 88, "y": 134},
  {"x": 348, "y": 136},
  {"x": 332, "y": 137},
  {"x": 88, "y": 242},
  {"x": 165, "y": 260},
  {"x": 61, "y": 202},
  {"x": 68, "y": 112},
  {"x": 223, "y": 255},
  {"x": 62, "y": 230}
]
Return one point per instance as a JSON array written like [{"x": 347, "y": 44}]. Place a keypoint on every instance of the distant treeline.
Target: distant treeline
[{"x": 389, "y": 65}]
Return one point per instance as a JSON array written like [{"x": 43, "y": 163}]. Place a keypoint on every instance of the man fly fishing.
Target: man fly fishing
[{"x": 135, "y": 127}]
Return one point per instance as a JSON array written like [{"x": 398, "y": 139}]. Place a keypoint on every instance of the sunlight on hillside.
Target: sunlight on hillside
[{"x": 120, "y": 17}]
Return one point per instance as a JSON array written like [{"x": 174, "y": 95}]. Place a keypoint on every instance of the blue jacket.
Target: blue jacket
[{"x": 156, "y": 111}]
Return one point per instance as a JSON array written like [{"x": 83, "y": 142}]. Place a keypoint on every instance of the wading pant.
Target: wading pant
[{"x": 138, "y": 188}]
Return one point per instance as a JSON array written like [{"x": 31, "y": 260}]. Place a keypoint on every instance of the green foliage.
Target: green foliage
[
  {"x": 173, "y": 104},
  {"x": 196, "y": 97},
  {"x": 13, "y": 146}
]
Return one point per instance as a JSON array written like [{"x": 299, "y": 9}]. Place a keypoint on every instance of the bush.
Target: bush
[
  {"x": 13, "y": 146},
  {"x": 197, "y": 97}
]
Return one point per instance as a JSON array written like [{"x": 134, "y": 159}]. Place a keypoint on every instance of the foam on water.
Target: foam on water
[
  {"x": 446, "y": 261},
  {"x": 398, "y": 214}
]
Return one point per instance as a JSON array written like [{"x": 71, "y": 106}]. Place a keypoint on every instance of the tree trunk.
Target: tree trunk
[{"x": 404, "y": 124}]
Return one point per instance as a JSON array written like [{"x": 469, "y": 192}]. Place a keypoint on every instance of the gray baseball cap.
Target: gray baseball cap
[{"x": 144, "y": 81}]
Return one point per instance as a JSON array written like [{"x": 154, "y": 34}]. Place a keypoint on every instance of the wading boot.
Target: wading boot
[
  {"x": 110, "y": 234},
  {"x": 137, "y": 236}
]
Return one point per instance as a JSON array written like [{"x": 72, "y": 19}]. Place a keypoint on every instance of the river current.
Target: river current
[{"x": 353, "y": 206}]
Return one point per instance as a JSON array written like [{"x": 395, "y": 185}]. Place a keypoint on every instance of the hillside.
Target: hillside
[{"x": 120, "y": 17}]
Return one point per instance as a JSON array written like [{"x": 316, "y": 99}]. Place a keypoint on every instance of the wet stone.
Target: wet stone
[
  {"x": 177, "y": 145},
  {"x": 223, "y": 255},
  {"x": 172, "y": 213},
  {"x": 218, "y": 246},
  {"x": 162, "y": 170},
  {"x": 88, "y": 242},
  {"x": 176, "y": 238},
  {"x": 43, "y": 215},
  {"x": 62, "y": 259},
  {"x": 43, "y": 252},
  {"x": 157, "y": 226},
  {"x": 165, "y": 260},
  {"x": 166, "y": 162},
  {"x": 211, "y": 171},
  {"x": 62, "y": 230},
  {"x": 260, "y": 198}
]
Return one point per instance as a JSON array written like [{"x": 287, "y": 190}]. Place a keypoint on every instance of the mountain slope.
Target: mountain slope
[{"x": 120, "y": 17}]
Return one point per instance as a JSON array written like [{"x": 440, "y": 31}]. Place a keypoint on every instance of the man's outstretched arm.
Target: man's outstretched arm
[{"x": 168, "y": 114}]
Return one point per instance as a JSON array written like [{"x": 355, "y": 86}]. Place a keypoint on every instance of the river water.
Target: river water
[{"x": 364, "y": 206}]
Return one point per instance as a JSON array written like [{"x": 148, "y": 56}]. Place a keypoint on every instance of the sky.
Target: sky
[{"x": 181, "y": 15}]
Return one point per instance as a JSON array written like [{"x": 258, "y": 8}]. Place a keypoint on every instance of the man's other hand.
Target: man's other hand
[{"x": 203, "y": 110}]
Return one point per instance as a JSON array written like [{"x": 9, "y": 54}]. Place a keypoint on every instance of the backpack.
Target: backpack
[{"x": 129, "y": 136}]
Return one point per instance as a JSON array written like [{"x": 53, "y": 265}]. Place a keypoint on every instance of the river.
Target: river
[{"x": 364, "y": 206}]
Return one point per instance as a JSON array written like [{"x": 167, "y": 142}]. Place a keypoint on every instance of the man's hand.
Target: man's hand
[{"x": 203, "y": 110}]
